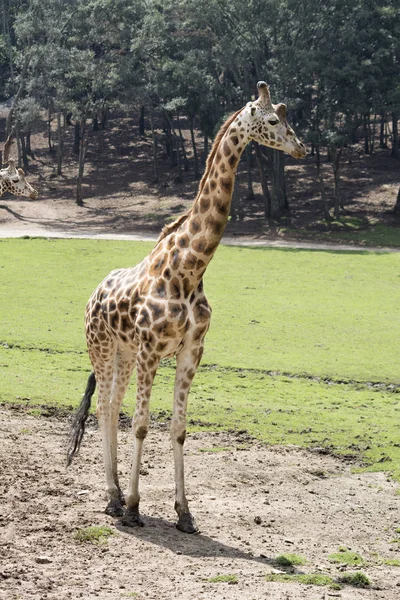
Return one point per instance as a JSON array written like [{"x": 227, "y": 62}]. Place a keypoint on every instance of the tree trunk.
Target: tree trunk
[
  {"x": 397, "y": 205},
  {"x": 366, "y": 133},
  {"x": 205, "y": 148},
  {"x": 6, "y": 31},
  {"x": 382, "y": 140},
  {"x": 24, "y": 153},
  {"x": 169, "y": 142},
  {"x": 104, "y": 116},
  {"x": 373, "y": 135},
  {"x": 77, "y": 138},
  {"x": 154, "y": 137},
  {"x": 60, "y": 145},
  {"x": 279, "y": 181},
  {"x": 321, "y": 183},
  {"x": 182, "y": 145},
  {"x": 395, "y": 137},
  {"x": 28, "y": 146},
  {"x": 19, "y": 149},
  {"x": 250, "y": 191},
  {"x": 263, "y": 169},
  {"x": 49, "y": 119},
  {"x": 177, "y": 152},
  {"x": 11, "y": 123},
  {"x": 95, "y": 123},
  {"x": 236, "y": 211},
  {"x": 268, "y": 155},
  {"x": 195, "y": 156},
  {"x": 141, "y": 122},
  {"x": 336, "y": 154},
  {"x": 7, "y": 147},
  {"x": 84, "y": 140}
]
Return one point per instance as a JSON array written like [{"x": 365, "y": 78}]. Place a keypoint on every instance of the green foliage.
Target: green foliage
[
  {"x": 335, "y": 66},
  {"x": 290, "y": 560},
  {"x": 391, "y": 562},
  {"x": 346, "y": 557},
  {"x": 29, "y": 114},
  {"x": 357, "y": 579},
  {"x": 212, "y": 52},
  {"x": 305, "y": 579},
  {"x": 223, "y": 579},
  {"x": 94, "y": 534}
]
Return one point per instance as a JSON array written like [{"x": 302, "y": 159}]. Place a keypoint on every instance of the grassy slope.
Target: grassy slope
[{"x": 321, "y": 313}]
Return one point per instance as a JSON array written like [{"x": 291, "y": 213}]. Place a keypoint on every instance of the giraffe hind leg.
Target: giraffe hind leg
[
  {"x": 112, "y": 388},
  {"x": 123, "y": 369}
]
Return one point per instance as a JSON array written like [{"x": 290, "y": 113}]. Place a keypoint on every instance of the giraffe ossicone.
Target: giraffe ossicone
[
  {"x": 13, "y": 180},
  {"x": 158, "y": 309}
]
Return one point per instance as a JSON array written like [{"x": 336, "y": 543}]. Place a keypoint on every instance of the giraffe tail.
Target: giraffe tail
[{"x": 79, "y": 420}]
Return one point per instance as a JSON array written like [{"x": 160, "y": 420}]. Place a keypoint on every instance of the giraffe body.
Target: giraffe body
[
  {"x": 13, "y": 180},
  {"x": 137, "y": 316}
]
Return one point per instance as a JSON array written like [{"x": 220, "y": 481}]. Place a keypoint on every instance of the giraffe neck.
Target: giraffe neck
[{"x": 202, "y": 231}]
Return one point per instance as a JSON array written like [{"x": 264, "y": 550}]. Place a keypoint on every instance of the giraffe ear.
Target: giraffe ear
[
  {"x": 280, "y": 110},
  {"x": 21, "y": 173},
  {"x": 253, "y": 110}
]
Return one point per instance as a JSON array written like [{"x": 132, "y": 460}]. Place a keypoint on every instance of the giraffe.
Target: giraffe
[
  {"x": 13, "y": 180},
  {"x": 158, "y": 309}
]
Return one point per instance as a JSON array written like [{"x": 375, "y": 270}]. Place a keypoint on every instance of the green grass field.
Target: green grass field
[{"x": 303, "y": 349}]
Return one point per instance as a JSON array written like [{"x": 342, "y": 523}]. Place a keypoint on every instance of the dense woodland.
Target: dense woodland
[{"x": 187, "y": 64}]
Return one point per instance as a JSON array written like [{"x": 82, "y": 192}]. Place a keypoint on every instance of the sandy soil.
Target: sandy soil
[{"x": 252, "y": 503}]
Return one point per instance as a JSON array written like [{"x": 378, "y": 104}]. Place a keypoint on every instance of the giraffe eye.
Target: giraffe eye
[{"x": 273, "y": 121}]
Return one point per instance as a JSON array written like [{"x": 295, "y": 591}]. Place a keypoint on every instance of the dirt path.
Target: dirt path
[
  {"x": 65, "y": 233},
  {"x": 251, "y": 502}
]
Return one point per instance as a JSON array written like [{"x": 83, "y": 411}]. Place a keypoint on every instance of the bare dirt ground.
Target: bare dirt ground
[{"x": 252, "y": 503}]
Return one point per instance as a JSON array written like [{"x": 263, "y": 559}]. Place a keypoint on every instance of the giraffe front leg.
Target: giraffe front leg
[
  {"x": 186, "y": 365},
  {"x": 146, "y": 370}
]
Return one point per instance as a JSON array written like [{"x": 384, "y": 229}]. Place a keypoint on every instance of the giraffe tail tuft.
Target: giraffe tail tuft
[{"x": 79, "y": 420}]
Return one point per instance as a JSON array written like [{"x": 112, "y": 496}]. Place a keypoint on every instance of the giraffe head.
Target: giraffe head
[
  {"x": 14, "y": 181},
  {"x": 266, "y": 124}
]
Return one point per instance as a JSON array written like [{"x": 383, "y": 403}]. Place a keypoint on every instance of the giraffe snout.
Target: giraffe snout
[{"x": 300, "y": 151}]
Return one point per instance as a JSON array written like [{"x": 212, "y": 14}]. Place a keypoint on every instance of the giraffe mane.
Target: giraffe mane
[
  {"x": 213, "y": 151},
  {"x": 170, "y": 228}
]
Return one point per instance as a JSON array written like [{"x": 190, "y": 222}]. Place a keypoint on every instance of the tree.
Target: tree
[{"x": 334, "y": 64}]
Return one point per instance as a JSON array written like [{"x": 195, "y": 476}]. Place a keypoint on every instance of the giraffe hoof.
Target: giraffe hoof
[
  {"x": 114, "y": 508},
  {"x": 186, "y": 523},
  {"x": 131, "y": 518}
]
